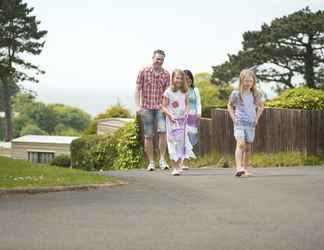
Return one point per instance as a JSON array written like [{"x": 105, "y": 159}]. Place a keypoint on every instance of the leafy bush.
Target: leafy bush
[
  {"x": 32, "y": 129},
  {"x": 104, "y": 153},
  {"x": 299, "y": 98},
  {"x": 129, "y": 147},
  {"x": 61, "y": 161},
  {"x": 81, "y": 152},
  {"x": 94, "y": 152},
  {"x": 122, "y": 150}
]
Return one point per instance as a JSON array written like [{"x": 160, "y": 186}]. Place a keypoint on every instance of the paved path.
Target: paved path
[{"x": 280, "y": 208}]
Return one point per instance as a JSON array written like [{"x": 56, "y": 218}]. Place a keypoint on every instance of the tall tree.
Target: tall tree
[
  {"x": 289, "y": 47},
  {"x": 20, "y": 37}
]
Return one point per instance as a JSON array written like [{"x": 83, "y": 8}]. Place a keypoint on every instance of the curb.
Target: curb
[{"x": 4, "y": 191}]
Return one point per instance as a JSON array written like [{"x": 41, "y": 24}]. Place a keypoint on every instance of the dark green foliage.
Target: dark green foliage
[
  {"x": 288, "y": 47},
  {"x": 71, "y": 117},
  {"x": 32, "y": 129},
  {"x": 19, "y": 36},
  {"x": 43, "y": 116},
  {"x": 54, "y": 119},
  {"x": 61, "y": 161},
  {"x": 80, "y": 152},
  {"x": 93, "y": 152},
  {"x": 299, "y": 98}
]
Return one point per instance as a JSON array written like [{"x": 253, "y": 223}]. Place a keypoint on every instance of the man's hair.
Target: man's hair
[{"x": 159, "y": 51}]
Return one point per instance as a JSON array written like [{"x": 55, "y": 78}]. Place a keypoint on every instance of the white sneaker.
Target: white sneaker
[
  {"x": 239, "y": 172},
  {"x": 175, "y": 172},
  {"x": 184, "y": 167},
  {"x": 164, "y": 165},
  {"x": 151, "y": 166}
]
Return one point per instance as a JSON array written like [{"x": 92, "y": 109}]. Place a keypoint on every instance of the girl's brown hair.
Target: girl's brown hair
[
  {"x": 184, "y": 84},
  {"x": 245, "y": 73}
]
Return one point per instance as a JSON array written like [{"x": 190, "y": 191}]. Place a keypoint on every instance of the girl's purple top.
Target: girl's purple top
[{"x": 245, "y": 112}]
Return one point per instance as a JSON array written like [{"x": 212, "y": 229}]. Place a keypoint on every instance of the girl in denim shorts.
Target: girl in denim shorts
[{"x": 245, "y": 108}]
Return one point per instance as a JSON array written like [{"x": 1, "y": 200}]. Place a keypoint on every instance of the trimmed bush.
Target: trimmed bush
[
  {"x": 104, "y": 153},
  {"x": 122, "y": 150},
  {"x": 81, "y": 153},
  {"x": 299, "y": 98},
  {"x": 61, "y": 161},
  {"x": 129, "y": 147}
]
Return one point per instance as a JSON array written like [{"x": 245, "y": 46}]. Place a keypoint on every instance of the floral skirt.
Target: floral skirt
[{"x": 179, "y": 146}]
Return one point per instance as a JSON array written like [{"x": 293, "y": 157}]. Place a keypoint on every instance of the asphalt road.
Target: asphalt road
[{"x": 278, "y": 208}]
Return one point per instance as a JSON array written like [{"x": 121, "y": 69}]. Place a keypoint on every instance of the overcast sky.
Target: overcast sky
[{"x": 103, "y": 43}]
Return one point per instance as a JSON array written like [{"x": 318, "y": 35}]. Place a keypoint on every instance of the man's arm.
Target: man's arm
[{"x": 138, "y": 91}]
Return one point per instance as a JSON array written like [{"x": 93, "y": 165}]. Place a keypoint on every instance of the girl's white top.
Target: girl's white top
[{"x": 178, "y": 147}]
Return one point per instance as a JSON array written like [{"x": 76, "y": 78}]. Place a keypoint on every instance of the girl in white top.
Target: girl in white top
[{"x": 176, "y": 108}]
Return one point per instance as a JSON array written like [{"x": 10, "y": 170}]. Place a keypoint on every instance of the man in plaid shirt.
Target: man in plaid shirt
[{"x": 151, "y": 83}]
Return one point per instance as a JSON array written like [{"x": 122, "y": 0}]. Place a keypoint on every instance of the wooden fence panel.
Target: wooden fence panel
[{"x": 277, "y": 130}]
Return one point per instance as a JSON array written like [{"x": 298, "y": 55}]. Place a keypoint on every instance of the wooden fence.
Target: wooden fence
[{"x": 277, "y": 130}]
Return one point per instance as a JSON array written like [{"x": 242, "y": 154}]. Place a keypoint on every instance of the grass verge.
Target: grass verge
[
  {"x": 25, "y": 174},
  {"x": 280, "y": 159}
]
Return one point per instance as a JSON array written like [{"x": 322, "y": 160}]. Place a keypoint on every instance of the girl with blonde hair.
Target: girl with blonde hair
[
  {"x": 245, "y": 108},
  {"x": 175, "y": 106}
]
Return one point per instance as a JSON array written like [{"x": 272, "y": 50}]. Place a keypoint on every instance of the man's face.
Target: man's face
[{"x": 158, "y": 60}]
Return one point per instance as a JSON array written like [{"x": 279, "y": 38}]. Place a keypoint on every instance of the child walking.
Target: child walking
[
  {"x": 175, "y": 107},
  {"x": 194, "y": 102},
  {"x": 245, "y": 108}
]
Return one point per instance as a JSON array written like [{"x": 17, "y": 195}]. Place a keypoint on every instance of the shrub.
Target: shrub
[
  {"x": 129, "y": 147},
  {"x": 299, "y": 98},
  {"x": 104, "y": 152},
  {"x": 61, "y": 161},
  {"x": 81, "y": 152},
  {"x": 122, "y": 150}
]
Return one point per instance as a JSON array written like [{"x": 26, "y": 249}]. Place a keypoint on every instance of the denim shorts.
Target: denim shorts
[
  {"x": 244, "y": 130},
  {"x": 152, "y": 118}
]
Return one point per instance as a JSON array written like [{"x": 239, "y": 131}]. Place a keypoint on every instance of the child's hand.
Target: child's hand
[{"x": 172, "y": 119}]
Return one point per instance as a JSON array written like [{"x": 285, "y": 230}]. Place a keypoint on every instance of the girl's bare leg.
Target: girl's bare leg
[
  {"x": 247, "y": 157},
  {"x": 240, "y": 146}
]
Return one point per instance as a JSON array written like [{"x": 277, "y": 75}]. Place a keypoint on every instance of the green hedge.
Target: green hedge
[
  {"x": 299, "y": 98},
  {"x": 122, "y": 150},
  {"x": 61, "y": 161},
  {"x": 129, "y": 147}
]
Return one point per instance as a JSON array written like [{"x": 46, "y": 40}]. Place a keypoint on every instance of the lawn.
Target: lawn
[{"x": 20, "y": 173}]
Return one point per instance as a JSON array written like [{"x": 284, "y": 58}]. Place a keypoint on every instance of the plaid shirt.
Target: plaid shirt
[{"x": 152, "y": 87}]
